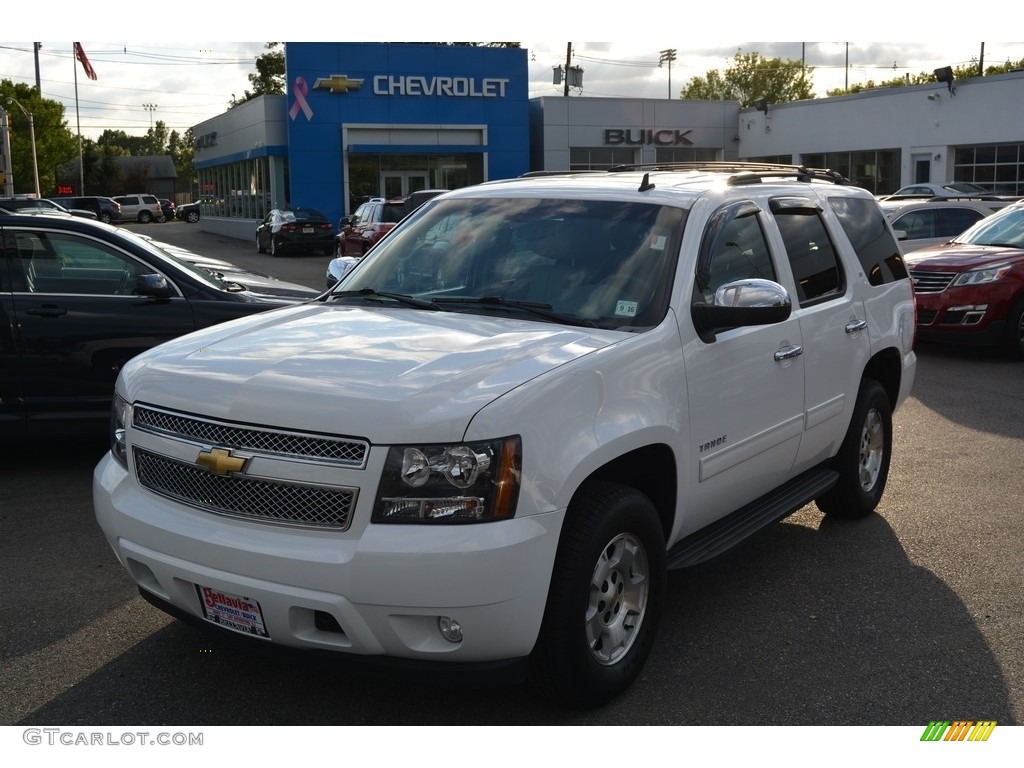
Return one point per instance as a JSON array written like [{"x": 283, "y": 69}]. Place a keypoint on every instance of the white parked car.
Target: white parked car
[
  {"x": 491, "y": 440},
  {"x": 924, "y": 223}
]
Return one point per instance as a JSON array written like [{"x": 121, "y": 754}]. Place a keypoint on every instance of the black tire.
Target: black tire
[
  {"x": 605, "y": 598},
  {"x": 275, "y": 249},
  {"x": 145, "y": 217},
  {"x": 259, "y": 245},
  {"x": 192, "y": 217},
  {"x": 1013, "y": 342},
  {"x": 105, "y": 218},
  {"x": 863, "y": 458}
]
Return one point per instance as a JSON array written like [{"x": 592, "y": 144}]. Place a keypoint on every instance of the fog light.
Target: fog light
[{"x": 451, "y": 630}]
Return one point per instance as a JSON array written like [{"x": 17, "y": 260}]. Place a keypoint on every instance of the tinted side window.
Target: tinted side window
[
  {"x": 864, "y": 224},
  {"x": 816, "y": 267},
  {"x": 955, "y": 220},
  {"x": 741, "y": 253}
]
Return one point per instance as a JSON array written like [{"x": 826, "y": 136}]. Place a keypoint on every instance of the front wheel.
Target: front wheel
[
  {"x": 605, "y": 597},
  {"x": 863, "y": 458},
  {"x": 192, "y": 217},
  {"x": 1014, "y": 341}
]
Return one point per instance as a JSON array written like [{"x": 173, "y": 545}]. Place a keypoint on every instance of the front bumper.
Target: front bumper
[{"x": 370, "y": 590}]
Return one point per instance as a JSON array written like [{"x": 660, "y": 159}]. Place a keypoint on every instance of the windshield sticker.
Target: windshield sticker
[
  {"x": 658, "y": 242},
  {"x": 624, "y": 308}
]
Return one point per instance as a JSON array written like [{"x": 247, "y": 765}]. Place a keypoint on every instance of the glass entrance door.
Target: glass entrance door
[{"x": 402, "y": 183}]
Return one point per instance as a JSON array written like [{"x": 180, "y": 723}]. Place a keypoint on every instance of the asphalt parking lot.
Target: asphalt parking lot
[{"x": 911, "y": 615}]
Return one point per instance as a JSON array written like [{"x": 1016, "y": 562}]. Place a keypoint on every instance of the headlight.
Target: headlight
[
  {"x": 987, "y": 275},
  {"x": 458, "y": 483},
  {"x": 120, "y": 415}
]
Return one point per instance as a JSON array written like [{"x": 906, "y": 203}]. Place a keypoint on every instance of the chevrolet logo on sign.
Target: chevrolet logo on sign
[
  {"x": 218, "y": 461},
  {"x": 338, "y": 83}
]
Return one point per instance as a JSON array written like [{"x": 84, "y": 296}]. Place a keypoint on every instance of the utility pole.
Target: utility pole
[
  {"x": 36, "y": 47},
  {"x": 32, "y": 136},
  {"x": 669, "y": 55},
  {"x": 568, "y": 61},
  {"x": 6, "y": 174}
]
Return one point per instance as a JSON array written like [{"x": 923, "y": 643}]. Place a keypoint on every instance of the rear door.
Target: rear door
[{"x": 10, "y": 353}]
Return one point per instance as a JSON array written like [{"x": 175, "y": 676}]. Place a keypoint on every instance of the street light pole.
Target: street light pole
[
  {"x": 669, "y": 55},
  {"x": 151, "y": 108},
  {"x": 32, "y": 137}
]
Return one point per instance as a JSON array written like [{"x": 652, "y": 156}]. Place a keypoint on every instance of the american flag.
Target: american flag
[{"x": 80, "y": 55}]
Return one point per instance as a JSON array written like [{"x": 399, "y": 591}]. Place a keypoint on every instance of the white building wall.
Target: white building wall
[{"x": 922, "y": 120}]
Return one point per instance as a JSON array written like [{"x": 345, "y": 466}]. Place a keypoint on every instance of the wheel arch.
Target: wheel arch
[
  {"x": 886, "y": 368},
  {"x": 651, "y": 470}
]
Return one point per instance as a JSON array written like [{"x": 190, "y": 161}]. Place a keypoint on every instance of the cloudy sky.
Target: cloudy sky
[{"x": 185, "y": 83}]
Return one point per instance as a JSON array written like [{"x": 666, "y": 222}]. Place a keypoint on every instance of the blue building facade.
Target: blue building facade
[{"x": 383, "y": 120}]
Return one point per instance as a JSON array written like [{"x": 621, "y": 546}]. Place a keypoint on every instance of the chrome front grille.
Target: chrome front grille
[
  {"x": 257, "y": 499},
  {"x": 344, "y": 451},
  {"x": 931, "y": 282}
]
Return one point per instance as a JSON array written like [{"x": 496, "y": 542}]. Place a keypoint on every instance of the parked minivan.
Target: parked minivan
[
  {"x": 105, "y": 208},
  {"x": 141, "y": 208}
]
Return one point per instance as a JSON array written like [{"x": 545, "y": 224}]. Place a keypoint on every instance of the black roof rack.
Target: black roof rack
[{"x": 743, "y": 172}]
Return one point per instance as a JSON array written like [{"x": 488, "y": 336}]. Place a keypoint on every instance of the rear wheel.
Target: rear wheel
[
  {"x": 863, "y": 458},
  {"x": 105, "y": 218},
  {"x": 259, "y": 246},
  {"x": 275, "y": 249},
  {"x": 192, "y": 217},
  {"x": 145, "y": 217},
  {"x": 605, "y": 597}
]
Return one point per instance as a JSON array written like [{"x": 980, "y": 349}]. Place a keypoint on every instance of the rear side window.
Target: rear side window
[
  {"x": 865, "y": 227},
  {"x": 812, "y": 257}
]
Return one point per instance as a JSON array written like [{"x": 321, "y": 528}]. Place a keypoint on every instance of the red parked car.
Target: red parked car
[{"x": 971, "y": 289}]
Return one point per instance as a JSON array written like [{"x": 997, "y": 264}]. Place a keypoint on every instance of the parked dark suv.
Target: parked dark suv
[{"x": 105, "y": 208}]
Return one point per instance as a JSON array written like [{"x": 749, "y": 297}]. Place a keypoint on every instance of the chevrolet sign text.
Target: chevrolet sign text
[{"x": 419, "y": 85}]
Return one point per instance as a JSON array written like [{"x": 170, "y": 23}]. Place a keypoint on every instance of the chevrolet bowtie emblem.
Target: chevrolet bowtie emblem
[
  {"x": 338, "y": 83},
  {"x": 220, "y": 462}
]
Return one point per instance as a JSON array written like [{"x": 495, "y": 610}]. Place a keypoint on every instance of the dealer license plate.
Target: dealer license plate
[{"x": 241, "y": 614}]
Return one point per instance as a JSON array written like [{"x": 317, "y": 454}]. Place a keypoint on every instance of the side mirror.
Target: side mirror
[
  {"x": 346, "y": 221},
  {"x": 153, "y": 285},
  {"x": 901, "y": 234},
  {"x": 740, "y": 303}
]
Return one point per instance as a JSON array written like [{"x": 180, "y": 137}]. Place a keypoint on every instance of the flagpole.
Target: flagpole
[{"x": 78, "y": 121}]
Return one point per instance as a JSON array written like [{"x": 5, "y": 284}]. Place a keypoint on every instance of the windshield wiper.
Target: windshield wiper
[
  {"x": 373, "y": 293},
  {"x": 536, "y": 308}
]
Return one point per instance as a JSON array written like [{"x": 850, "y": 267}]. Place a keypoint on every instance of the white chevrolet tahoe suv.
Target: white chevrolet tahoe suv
[{"x": 494, "y": 436}]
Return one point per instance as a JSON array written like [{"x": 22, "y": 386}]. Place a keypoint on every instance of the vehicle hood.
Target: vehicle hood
[
  {"x": 960, "y": 257},
  {"x": 387, "y": 375},
  {"x": 263, "y": 285}
]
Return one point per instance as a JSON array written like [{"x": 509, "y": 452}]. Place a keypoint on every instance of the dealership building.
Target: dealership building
[{"x": 363, "y": 120}]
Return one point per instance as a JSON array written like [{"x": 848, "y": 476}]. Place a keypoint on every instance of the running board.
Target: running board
[{"x": 718, "y": 537}]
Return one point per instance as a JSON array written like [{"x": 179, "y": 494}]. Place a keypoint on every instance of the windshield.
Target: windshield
[
  {"x": 1004, "y": 228},
  {"x": 202, "y": 275},
  {"x": 603, "y": 263}
]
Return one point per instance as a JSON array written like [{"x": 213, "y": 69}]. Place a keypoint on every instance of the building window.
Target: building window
[
  {"x": 685, "y": 155},
  {"x": 875, "y": 170},
  {"x": 238, "y": 190},
  {"x": 600, "y": 158},
  {"x": 999, "y": 167}
]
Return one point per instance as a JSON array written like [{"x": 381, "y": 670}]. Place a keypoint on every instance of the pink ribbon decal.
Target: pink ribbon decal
[{"x": 300, "y": 89}]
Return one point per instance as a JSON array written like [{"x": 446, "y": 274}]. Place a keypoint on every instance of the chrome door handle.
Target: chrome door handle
[
  {"x": 856, "y": 325},
  {"x": 787, "y": 353}
]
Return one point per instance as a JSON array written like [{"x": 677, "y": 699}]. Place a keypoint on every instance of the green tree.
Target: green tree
[
  {"x": 960, "y": 72},
  {"x": 268, "y": 77},
  {"x": 55, "y": 143},
  {"x": 750, "y": 77}
]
